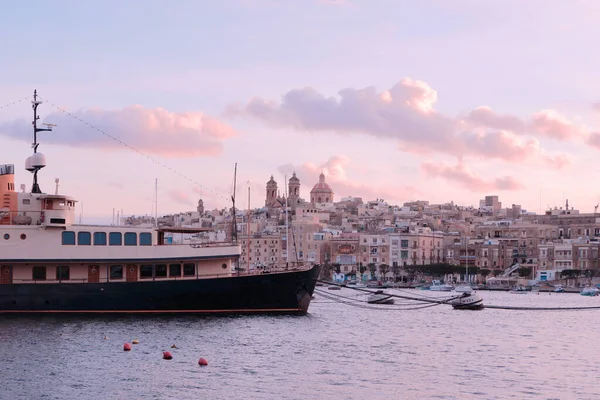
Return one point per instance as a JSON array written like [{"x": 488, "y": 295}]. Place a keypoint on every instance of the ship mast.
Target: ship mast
[
  {"x": 36, "y": 162},
  {"x": 234, "y": 222}
]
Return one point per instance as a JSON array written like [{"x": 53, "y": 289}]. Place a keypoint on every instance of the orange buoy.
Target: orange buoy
[
  {"x": 135, "y": 341},
  {"x": 126, "y": 347},
  {"x": 202, "y": 361},
  {"x": 167, "y": 355}
]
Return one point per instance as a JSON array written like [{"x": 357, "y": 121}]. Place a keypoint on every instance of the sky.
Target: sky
[{"x": 399, "y": 100}]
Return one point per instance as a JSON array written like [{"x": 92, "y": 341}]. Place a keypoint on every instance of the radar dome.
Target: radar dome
[
  {"x": 38, "y": 160},
  {"x": 28, "y": 164}
]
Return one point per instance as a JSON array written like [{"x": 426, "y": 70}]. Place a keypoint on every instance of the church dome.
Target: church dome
[{"x": 321, "y": 192}]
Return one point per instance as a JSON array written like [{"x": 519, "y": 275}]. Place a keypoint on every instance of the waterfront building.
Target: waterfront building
[
  {"x": 420, "y": 246},
  {"x": 260, "y": 251},
  {"x": 344, "y": 249}
]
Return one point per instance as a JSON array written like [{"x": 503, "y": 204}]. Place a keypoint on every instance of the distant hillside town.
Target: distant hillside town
[{"x": 368, "y": 240}]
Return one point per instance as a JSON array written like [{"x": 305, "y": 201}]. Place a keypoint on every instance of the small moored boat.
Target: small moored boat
[
  {"x": 519, "y": 290},
  {"x": 438, "y": 286},
  {"x": 590, "y": 291},
  {"x": 379, "y": 297},
  {"x": 468, "y": 301}
]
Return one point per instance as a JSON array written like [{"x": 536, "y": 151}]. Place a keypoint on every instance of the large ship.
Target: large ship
[{"x": 49, "y": 264}]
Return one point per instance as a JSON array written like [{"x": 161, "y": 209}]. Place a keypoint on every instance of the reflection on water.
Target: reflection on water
[{"x": 336, "y": 352}]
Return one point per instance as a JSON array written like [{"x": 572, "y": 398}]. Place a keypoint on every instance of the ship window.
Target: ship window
[
  {"x": 26, "y": 201},
  {"x": 174, "y": 269},
  {"x": 146, "y": 271},
  {"x": 130, "y": 239},
  {"x": 115, "y": 239},
  {"x": 63, "y": 273},
  {"x": 84, "y": 238},
  {"x": 38, "y": 273},
  {"x": 145, "y": 239},
  {"x": 68, "y": 238},
  {"x": 224, "y": 266},
  {"x": 160, "y": 270},
  {"x": 99, "y": 238},
  {"x": 116, "y": 272},
  {"x": 189, "y": 269}
]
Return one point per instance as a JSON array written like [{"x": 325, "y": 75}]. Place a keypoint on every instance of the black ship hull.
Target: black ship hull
[{"x": 284, "y": 292}]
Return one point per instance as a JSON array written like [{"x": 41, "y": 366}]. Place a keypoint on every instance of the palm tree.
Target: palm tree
[
  {"x": 372, "y": 269},
  {"x": 396, "y": 269},
  {"x": 384, "y": 269}
]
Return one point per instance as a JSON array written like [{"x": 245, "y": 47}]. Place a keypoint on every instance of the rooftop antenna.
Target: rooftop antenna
[
  {"x": 37, "y": 161},
  {"x": 56, "y": 181}
]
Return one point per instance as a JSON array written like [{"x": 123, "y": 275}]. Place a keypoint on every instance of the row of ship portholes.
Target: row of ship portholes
[{"x": 7, "y": 236}]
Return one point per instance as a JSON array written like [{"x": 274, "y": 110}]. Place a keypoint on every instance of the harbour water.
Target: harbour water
[{"x": 336, "y": 352}]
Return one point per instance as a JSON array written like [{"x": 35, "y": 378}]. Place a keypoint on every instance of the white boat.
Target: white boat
[
  {"x": 50, "y": 264},
  {"x": 558, "y": 289},
  {"x": 519, "y": 290},
  {"x": 463, "y": 289},
  {"x": 356, "y": 285},
  {"x": 468, "y": 301},
  {"x": 379, "y": 297},
  {"x": 590, "y": 291},
  {"x": 438, "y": 286}
]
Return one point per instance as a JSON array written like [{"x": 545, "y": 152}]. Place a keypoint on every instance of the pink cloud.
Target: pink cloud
[
  {"x": 594, "y": 140},
  {"x": 156, "y": 131},
  {"x": 180, "y": 197},
  {"x": 596, "y": 107},
  {"x": 553, "y": 125},
  {"x": 337, "y": 176},
  {"x": 485, "y": 116},
  {"x": 460, "y": 174},
  {"x": 406, "y": 113},
  {"x": 557, "y": 161}
]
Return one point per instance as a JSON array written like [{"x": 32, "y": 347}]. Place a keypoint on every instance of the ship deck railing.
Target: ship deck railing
[{"x": 163, "y": 279}]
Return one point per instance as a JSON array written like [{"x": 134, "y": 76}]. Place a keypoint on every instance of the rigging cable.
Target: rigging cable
[
  {"x": 416, "y": 307},
  {"x": 14, "y": 102},
  {"x": 321, "y": 291},
  {"x": 135, "y": 150},
  {"x": 448, "y": 299}
]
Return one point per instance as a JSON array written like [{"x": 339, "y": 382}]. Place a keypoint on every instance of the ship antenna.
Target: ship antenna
[
  {"x": 35, "y": 163},
  {"x": 234, "y": 221}
]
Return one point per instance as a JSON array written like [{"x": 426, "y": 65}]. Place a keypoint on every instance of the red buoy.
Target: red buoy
[
  {"x": 167, "y": 355},
  {"x": 202, "y": 362},
  {"x": 126, "y": 347}
]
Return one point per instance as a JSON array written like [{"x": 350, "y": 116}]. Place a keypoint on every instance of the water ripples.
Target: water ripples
[{"x": 336, "y": 352}]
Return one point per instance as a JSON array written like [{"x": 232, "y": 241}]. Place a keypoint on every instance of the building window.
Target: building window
[
  {"x": 63, "y": 273},
  {"x": 115, "y": 239},
  {"x": 116, "y": 272},
  {"x": 130, "y": 239},
  {"x": 84, "y": 238},
  {"x": 99, "y": 238},
  {"x": 68, "y": 238},
  {"x": 174, "y": 270},
  {"x": 145, "y": 239},
  {"x": 404, "y": 243},
  {"x": 189, "y": 269},
  {"x": 146, "y": 271},
  {"x": 160, "y": 270},
  {"x": 38, "y": 273}
]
